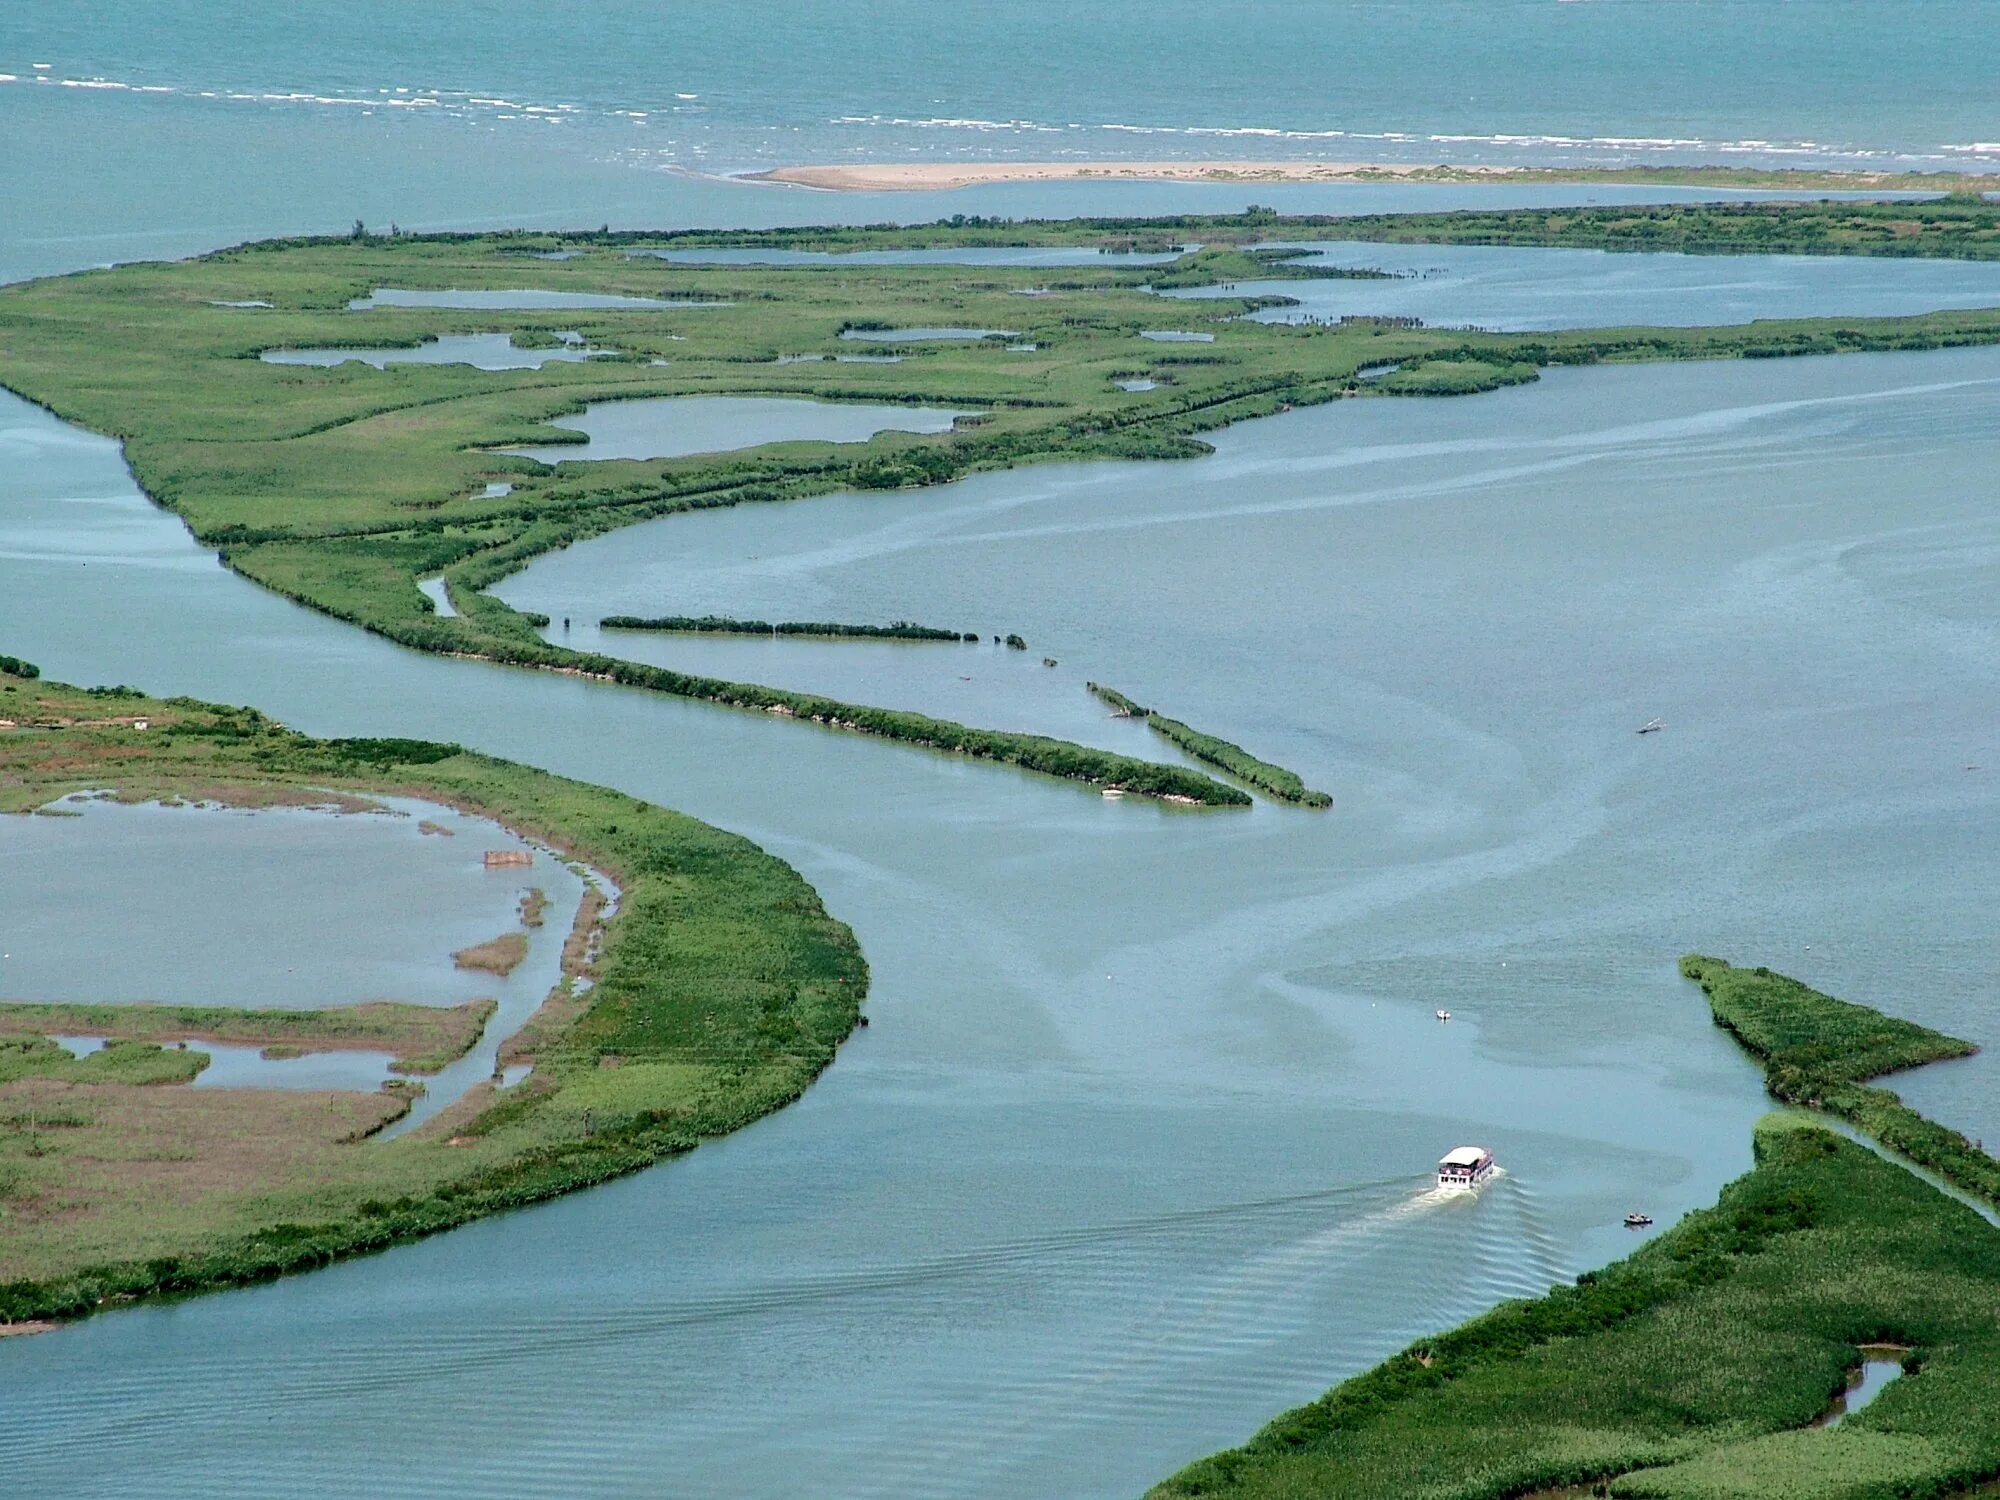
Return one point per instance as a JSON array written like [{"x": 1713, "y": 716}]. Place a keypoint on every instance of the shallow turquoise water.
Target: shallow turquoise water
[{"x": 1845, "y": 81}]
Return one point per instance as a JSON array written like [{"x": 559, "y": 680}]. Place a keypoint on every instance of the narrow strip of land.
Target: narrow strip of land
[
  {"x": 1274, "y": 781},
  {"x": 901, "y": 630}
]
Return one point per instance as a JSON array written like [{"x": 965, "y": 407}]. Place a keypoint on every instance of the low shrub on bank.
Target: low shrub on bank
[{"x": 1276, "y": 781}]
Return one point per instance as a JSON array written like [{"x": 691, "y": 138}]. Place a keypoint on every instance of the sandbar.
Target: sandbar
[{"x": 889, "y": 177}]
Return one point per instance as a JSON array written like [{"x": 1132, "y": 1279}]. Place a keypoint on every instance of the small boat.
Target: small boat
[
  {"x": 1465, "y": 1167},
  {"x": 1444, "y": 1015},
  {"x": 1652, "y": 726},
  {"x": 1638, "y": 1221}
]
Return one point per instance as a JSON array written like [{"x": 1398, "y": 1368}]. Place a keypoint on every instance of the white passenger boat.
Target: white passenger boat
[{"x": 1465, "y": 1168}]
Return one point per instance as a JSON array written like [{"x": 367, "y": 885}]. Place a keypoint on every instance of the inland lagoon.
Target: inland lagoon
[{"x": 674, "y": 427}]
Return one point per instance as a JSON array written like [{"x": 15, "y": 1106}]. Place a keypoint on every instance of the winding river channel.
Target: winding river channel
[{"x": 1134, "y": 1152}]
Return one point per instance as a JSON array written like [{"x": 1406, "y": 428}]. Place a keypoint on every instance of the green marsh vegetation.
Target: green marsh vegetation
[
  {"x": 900, "y": 630},
  {"x": 424, "y": 1038},
  {"x": 341, "y": 487},
  {"x": 721, "y": 990},
  {"x": 1695, "y": 1368},
  {"x": 1819, "y": 1053},
  {"x": 1273, "y": 781}
]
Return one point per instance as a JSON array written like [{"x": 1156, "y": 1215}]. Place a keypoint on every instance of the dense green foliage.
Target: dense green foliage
[
  {"x": 1960, "y": 227},
  {"x": 341, "y": 487},
  {"x": 1695, "y": 1367},
  {"x": 1275, "y": 781},
  {"x": 722, "y": 989},
  {"x": 901, "y": 630},
  {"x": 1810, "y": 1042},
  {"x": 1959, "y": 223},
  {"x": 13, "y": 666},
  {"x": 1819, "y": 1052}
]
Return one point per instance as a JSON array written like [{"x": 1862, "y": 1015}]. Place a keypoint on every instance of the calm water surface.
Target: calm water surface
[
  {"x": 672, "y": 426},
  {"x": 1509, "y": 289},
  {"x": 1134, "y": 1154},
  {"x": 485, "y": 351},
  {"x": 293, "y": 908},
  {"x": 286, "y": 907}
]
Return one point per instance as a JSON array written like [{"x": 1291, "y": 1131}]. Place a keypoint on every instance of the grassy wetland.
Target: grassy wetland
[
  {"x": 714, "y": 994},
  {"x": 1272, "y": 780},
  {"x": 1699, "y": 1366},
  {"x": 343, "y": 487}
]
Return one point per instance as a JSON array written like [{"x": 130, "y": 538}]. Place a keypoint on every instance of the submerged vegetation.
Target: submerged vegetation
[
  {"x": 1274, "y": 781},
  {"x": 901, "y": 630},
  {"x": 721, "y": 990},
  {"x": 342, "y": 487},
  {"x": 1695, "y": 1369}
]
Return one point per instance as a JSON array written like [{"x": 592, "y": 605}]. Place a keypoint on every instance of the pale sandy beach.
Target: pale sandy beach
[
  {"x": 881, "y": 177},
  {"x": 878, "y": 177}
]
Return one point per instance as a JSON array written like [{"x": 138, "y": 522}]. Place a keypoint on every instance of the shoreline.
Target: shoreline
[{"x": 937, "y": 176}]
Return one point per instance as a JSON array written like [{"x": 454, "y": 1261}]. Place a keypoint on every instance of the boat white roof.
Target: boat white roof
[{"x": 1464, "y": 1156}]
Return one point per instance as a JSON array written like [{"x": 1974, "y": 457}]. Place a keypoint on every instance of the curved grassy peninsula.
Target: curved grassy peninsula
[
  {"x": 721, "y": 990},
  {"x": 1274, "y": 781},
  {"x": 343, "y": 486},
  {"x": 1699, "y": 1367}
]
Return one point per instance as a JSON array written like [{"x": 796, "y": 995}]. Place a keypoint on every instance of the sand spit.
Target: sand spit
[{"x": 889, "y": 177}]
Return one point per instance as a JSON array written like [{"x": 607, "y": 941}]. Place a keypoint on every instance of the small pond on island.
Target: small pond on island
[
  {"x": 289, "y": 908},
  {"x": 484, "y": 351},
  {"x": 672, "y": 426}
]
